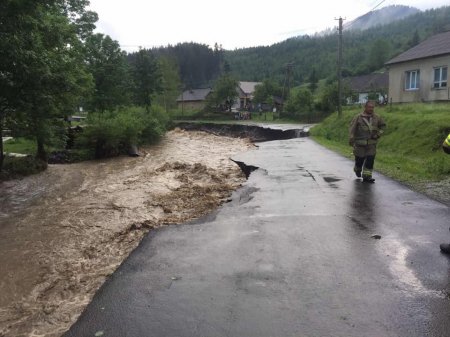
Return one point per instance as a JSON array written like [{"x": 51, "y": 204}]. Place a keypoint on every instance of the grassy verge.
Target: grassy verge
[
  {"x": 15, "y": 167},
  {"x": 410, "y": 149},
  {"x": 20, "y": 145}
]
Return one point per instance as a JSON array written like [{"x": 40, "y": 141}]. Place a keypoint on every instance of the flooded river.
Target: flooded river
[{"x": 62, "y": 232}]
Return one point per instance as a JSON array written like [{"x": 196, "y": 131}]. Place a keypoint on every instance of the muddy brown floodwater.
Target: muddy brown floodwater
[{"x": 62, "y": 232}]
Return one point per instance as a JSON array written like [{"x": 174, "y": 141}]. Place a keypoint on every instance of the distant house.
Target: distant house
[
  {"x": 193, "y": 99},
  {"x": 246, "y": 91},
  {"x": 196, "y": 98},
  {"x": 365, "y": 85},
  {"x": 420, "y": 74}
]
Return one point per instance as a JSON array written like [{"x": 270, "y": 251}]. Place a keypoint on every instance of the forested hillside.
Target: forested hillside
[
  {"x": 364, "y": 51},
  {"x": 198, "y": 64},
  {"x": 383, "y": 16}
]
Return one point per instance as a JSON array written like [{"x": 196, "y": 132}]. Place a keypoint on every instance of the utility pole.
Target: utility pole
[
  {"x": 287, "y": 82},
  {"x": 339, "y": 68},
  {"x": 182, "y": 102}
]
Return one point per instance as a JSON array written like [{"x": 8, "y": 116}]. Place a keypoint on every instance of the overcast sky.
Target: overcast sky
[{"x": 230, "y": 23}]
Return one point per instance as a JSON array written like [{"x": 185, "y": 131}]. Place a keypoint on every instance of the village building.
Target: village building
[
  {"x": 372, "y": 86},
  {"x": 420, "y": 74},
  {"x": 246, "y": 91},
  {"x": 193, "y": 99}
]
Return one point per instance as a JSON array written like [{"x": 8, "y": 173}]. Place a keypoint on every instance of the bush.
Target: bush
[
  {"x": 14, "y": 167},
  {"x": 300, "y": 104},
  {"x": 112, "y": 133}
]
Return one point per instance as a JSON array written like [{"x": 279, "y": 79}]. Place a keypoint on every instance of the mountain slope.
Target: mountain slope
[
  {"x": 363, "y": 50},
  {"x": 383, "y": 16}
]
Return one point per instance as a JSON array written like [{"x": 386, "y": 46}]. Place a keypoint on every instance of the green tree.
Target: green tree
[
  {"x": 300, "y": 103},
  {"x": 313, "y": 80},
  {"x": 329, "y": 96},
  {"x": 170, "y": 83},
  {"x": 108, "y": 65},
  {"x": 378, "y": 55},
  {"x": 199, "y": 65},
  {"x": 41, "y": 64},
  {"x": 266, "y": 90},
  {"x": 147, "y": 78},
  {"x": 224, "y": 92},
  {"x": 414, "y": 40}
]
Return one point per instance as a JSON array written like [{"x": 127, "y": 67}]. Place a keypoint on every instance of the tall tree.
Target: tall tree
[
  {"x": 300, "y": 103},
  {"x": 108, "y": 65},
  {"x": 224, "y": 92},
  {"x": 414, "y": 40},
  {"x": 41, "y": 63},
  {"x": 147, "y": 78},
  {"x": 378, "y": 55},
  {"x": 313, "y": 80},
  {"x": 266, "y": 90},
  {"x": 199, "y": 65},
  {"x": 170, "y": 81}
]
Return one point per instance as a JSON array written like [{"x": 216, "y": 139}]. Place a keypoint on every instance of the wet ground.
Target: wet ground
[
  {"x": 64, "y": 231},
  {"x": 303, "y": 248}
]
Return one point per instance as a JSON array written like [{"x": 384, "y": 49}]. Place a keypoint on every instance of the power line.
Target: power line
[
  {"x": 352, "y": 22},
  {"x": 339, "y": 65},
  {"x": 377, "y": 5}
]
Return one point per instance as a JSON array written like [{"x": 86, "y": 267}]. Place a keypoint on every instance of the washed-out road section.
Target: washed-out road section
[{"x": 303, "y": 249}]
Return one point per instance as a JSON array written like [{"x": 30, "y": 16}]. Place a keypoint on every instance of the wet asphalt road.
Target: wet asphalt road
[{"x": 295, "y": 254}]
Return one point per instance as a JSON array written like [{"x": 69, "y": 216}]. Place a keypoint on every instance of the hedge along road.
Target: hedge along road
[{"x": 303, "y": 249}]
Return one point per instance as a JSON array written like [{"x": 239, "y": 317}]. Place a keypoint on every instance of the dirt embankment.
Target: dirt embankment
[{"x": 64, "y": 231}]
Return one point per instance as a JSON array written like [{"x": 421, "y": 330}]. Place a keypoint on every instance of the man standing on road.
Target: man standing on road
[
  {"x": 445, "y": 247},
  {"x": 365, "y": 129}
]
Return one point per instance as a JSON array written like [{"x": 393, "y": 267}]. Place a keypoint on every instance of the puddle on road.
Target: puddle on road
[
  {"x": 331, "y": 179},
  {"x": 64, "y": 231}
]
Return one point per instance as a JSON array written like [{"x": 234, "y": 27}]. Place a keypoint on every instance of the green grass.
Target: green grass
[
  {"x": 20, "y": 145},
  {"x": 410, "y": 149}
]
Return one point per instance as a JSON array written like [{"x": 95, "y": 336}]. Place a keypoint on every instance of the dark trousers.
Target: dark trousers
[{"x": 365, "y": 164}]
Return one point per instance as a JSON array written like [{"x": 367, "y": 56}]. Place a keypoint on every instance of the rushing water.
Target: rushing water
[{"x": 62, "y": 232}]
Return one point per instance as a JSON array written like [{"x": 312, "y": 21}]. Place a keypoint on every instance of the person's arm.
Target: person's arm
[
  {"x": 446, "y": 144},
  {"x": 351, "y": 131},
  {"x": 381, "y": 126}
]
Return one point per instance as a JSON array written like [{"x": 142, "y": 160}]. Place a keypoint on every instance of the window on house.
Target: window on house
[
  {"x": 440, "y": 77},
  {"x": 412, "y": 80}
]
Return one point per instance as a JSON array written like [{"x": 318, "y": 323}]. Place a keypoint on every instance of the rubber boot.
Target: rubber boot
[{"x": 368, "y": 179}]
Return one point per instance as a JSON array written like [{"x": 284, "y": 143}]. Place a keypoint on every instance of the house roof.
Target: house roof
[
  {"x": 248, "y": 87},
  {"x": 366, "y": 83},
  {"x": 194, "y": 95},
  {"x": 435, "y": 45}
]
